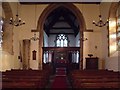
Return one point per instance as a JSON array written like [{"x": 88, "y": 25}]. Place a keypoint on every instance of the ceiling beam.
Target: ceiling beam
[
  {"x": 61, "y": 20},
  {"x": 48, "y": 27},
  {"x": 62, "y": 33},
  {"x": 61, "y": 28},
  {"x": 70, "y": 22}
]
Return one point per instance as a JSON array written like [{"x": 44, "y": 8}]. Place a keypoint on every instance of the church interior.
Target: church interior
[{"x": 60, "y": 45}]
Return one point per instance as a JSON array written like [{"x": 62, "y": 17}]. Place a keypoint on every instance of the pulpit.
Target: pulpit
[{"x": 92, "y": 63}]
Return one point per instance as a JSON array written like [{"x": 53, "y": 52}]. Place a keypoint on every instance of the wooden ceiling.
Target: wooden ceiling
[{"x": 61, "y": 20}]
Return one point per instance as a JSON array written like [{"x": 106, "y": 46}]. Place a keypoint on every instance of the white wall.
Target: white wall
[
  {"x": 112, "y": 63},
  {"x": 34, "y": 63},
  {"x": 72, "y": 40},
  {"x": 27, "y": 13},
  {"x": 51, "y": 40},
  {"x": 45, "y": 40},
  {"x": 94, "y": 39},
  {"x": 91, "y": 12},
  {"x": 8, "y": 61},
  {"x": 77, "y": 39}
]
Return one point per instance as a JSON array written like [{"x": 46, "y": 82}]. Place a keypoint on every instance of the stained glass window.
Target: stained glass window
[
  {"x": 118, "y": 32},
  {"x": 1, "y": 32},
  {"x": 61, "y": 40}
]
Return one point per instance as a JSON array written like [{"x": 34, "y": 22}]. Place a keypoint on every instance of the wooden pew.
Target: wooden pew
[
  {"x": 95, "y": 79},
  {"x": 25, "y": 79}
]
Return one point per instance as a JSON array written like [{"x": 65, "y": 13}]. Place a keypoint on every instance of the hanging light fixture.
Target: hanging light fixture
[
  {"x": 100, "y": 23},
  {"x": 34, "y": 38},
  {"x": 17, "y": 21}
]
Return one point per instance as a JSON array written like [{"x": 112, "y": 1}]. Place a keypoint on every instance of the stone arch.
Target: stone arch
[
  {"x": 7, "y": 29},
  {"x": 43, "y": 17}
]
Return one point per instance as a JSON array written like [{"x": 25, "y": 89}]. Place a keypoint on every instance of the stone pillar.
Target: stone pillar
[{"x": 7, "y": 38}]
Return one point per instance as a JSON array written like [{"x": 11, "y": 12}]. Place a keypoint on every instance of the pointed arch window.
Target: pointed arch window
[
  {"x": 1, "y": 33},
  {"x": 114, "y": 29},
  {"x": 118, "y": 32},
  {"x": 61, "y": 40}
]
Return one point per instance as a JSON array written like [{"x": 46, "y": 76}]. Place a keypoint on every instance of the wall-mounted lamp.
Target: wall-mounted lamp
[
  {"x": 83, "y": 39},
  {"x": 34, "y": 38}
]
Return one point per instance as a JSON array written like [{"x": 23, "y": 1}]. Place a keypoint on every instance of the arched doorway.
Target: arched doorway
[{"x": 43, "y": 17}]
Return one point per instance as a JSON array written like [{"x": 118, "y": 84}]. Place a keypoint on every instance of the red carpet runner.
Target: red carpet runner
[{"x": 60, "y": 80}]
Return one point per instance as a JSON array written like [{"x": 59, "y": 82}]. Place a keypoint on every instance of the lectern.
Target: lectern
[{"x": 92, "y": 63}]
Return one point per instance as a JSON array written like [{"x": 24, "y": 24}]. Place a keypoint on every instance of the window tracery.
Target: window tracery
[{"x": 62, "y": 40}]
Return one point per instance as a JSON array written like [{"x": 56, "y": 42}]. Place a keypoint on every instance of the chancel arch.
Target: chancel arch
[{"x": 43, "y": 17}]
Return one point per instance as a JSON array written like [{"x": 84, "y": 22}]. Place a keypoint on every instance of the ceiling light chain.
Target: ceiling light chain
[
  {"x": 17, "y": 21},
  {"x": 35, "y": 38},
  {"x": 100, "y": 23}
]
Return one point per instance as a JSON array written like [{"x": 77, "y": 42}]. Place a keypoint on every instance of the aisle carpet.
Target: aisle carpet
[{"x": 60, "y": 79}]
